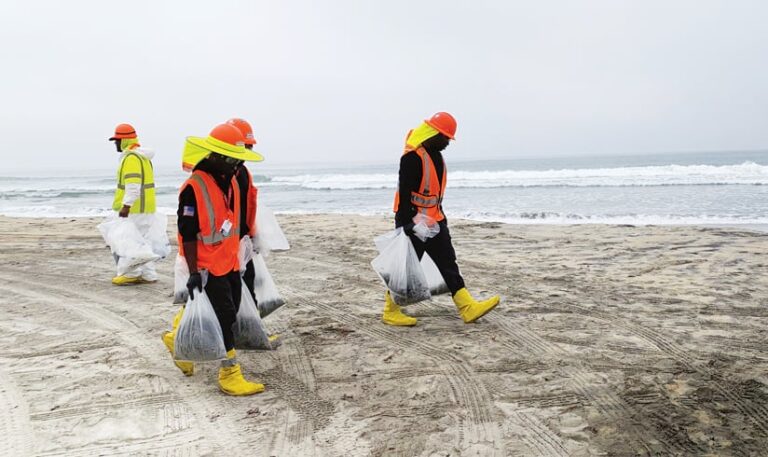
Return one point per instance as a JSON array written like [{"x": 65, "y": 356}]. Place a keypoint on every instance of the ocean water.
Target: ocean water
[{"x": 725, "y": 188}]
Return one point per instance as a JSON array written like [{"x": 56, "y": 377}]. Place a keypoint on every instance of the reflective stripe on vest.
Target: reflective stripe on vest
[
  {"x": 251, "y": 201},
  {"x": 425, "y": 200}
]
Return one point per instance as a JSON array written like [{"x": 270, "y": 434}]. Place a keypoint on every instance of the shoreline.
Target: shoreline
[{"x": 761, "y": 228}]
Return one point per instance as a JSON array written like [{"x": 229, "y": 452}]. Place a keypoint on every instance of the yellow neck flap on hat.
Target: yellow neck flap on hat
[
  {"x": 192, "y": 155},
  {"x": 419, "y": 135},
  {"x": 129, "y": 143}
]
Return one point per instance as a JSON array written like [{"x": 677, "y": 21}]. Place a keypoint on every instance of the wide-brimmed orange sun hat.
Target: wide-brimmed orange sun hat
[{"x": 227, "y": 140}]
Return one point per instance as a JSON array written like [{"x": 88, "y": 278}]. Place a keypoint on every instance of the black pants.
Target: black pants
[
  {"x": 249, "y": 278},
  {"x": 224, "y": 293},
  {"x": 440, "y": 248}
]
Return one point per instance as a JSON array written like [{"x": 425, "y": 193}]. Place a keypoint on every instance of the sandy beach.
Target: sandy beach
[{"x": 610, "y": 340}]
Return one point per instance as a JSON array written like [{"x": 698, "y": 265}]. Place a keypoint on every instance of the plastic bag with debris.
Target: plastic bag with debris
[
  {"x": 249, "y": 331},
  {"x": 269, "y": 236},
  {"x": 199, "y": 337},
  {"x": 180, "y": 278},
  {"x": 267, "y": 297},
  {"x": 399, "y": 268},
  {"x": 126, "y": 243},
  {"x": 435, "y": 280}
]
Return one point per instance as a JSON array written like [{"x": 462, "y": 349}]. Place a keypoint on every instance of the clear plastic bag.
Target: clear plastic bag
[
  {"x": 158, "y": 236},
  {"x": 126, "y": 243},
  {"x": 435, "y": 280},
  {"x": 180, "y": 278},
  {"x": 249, "y": 331},
  {"x": 425, "y": 227},
  {"x": 399, "y": 268},
  {"x": 269, "y": 236},
  {"x": 382, "y": 241},
  {"x": 199, "y": 337},
  {"x": 267, "y": 297},
  {"x": 245, "y": 253}
]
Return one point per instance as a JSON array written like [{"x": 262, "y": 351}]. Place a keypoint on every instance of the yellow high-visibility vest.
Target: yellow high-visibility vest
[{"x": 135, "y": 168}]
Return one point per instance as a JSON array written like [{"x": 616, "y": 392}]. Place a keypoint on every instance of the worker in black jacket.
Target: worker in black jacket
[{"x": 421, "y": 185}]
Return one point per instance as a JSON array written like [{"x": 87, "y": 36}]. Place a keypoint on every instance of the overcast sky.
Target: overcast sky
[{"x": 344, "y": 80}]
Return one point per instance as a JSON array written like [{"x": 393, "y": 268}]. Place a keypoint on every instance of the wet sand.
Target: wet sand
[{"x": 610, "y": 340}]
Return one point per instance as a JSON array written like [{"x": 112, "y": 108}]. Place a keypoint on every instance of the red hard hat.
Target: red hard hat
[
  {"x": 245, "y": 129},
  {"x": 443, "y": 123},
  {"x": 123, "y": 131}
]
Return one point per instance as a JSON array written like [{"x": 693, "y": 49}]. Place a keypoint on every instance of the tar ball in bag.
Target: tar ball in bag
[
  {"x": 249, "y": 330},
  {"x": 127, "y": 244},
  {"x": 199, "y": 337},
  {"x": 399, "y": 268},
  {"x": 267, "y": 297},
  {"x": 437, "y": 285},
  {"x": 180, "y": 278}
]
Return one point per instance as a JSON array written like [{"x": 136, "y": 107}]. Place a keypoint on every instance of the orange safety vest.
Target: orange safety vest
[
  {"x": 430, "y": 196},
  {"x": 216, "y": 251},
  {"x": 250, "y": 214}
]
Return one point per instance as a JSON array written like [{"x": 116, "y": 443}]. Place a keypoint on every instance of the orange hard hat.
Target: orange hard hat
[
  {"x": 123, "y": 131},
  {"x": 245, "y": 128},
  {"x": 443, "y": 123},
  {"x": 228, "y": 134}
]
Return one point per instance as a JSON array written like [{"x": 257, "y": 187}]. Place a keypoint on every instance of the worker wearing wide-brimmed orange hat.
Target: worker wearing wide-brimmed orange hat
[
  {"x": 209, "y": 227},
  {"x": 134, "y": 194},
  {"x": 421, "y": 186}
]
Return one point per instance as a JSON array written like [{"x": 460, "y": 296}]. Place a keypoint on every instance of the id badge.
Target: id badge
[{"x": 226, "y": 226}]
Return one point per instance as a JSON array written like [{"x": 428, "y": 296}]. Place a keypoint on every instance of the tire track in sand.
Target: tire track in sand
[
  {"x": 474, "y": 399},
  {"x": 755, "y": 412},
  {"x": 15, "y": 428},
  {"x": 220, "y": 434},
  {"x": 610, "y": 404}
]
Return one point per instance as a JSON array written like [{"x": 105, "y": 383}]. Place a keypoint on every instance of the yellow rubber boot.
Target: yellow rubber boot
[
  {"x": 394, "y": 316},
  {"x": 123, "y": 280},
  {"x": 188, "y": 368},
  {"x": 231, "y": 380},
  {"x": 471, "y": 309}
]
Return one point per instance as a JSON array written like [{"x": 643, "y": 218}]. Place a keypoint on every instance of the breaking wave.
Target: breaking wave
[{"x": 747, "y": 173}]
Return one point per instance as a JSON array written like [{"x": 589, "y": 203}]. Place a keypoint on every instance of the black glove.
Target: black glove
[
  {"x": 195, "y": 281},
  {"x": 408, "y": 228}
]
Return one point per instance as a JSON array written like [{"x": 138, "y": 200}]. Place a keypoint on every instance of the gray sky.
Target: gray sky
[{"x": 343, "y": 81}]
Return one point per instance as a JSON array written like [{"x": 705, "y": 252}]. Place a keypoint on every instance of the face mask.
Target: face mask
[
  {"x": 223, "y": 164},
  {"x": 437, "y": 143}
]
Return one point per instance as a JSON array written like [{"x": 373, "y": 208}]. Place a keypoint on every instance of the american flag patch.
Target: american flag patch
[{"x": 188, "y": 211}]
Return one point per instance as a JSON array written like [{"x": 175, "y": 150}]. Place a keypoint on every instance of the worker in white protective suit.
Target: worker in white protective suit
[{"x": 134, "y": 195}]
